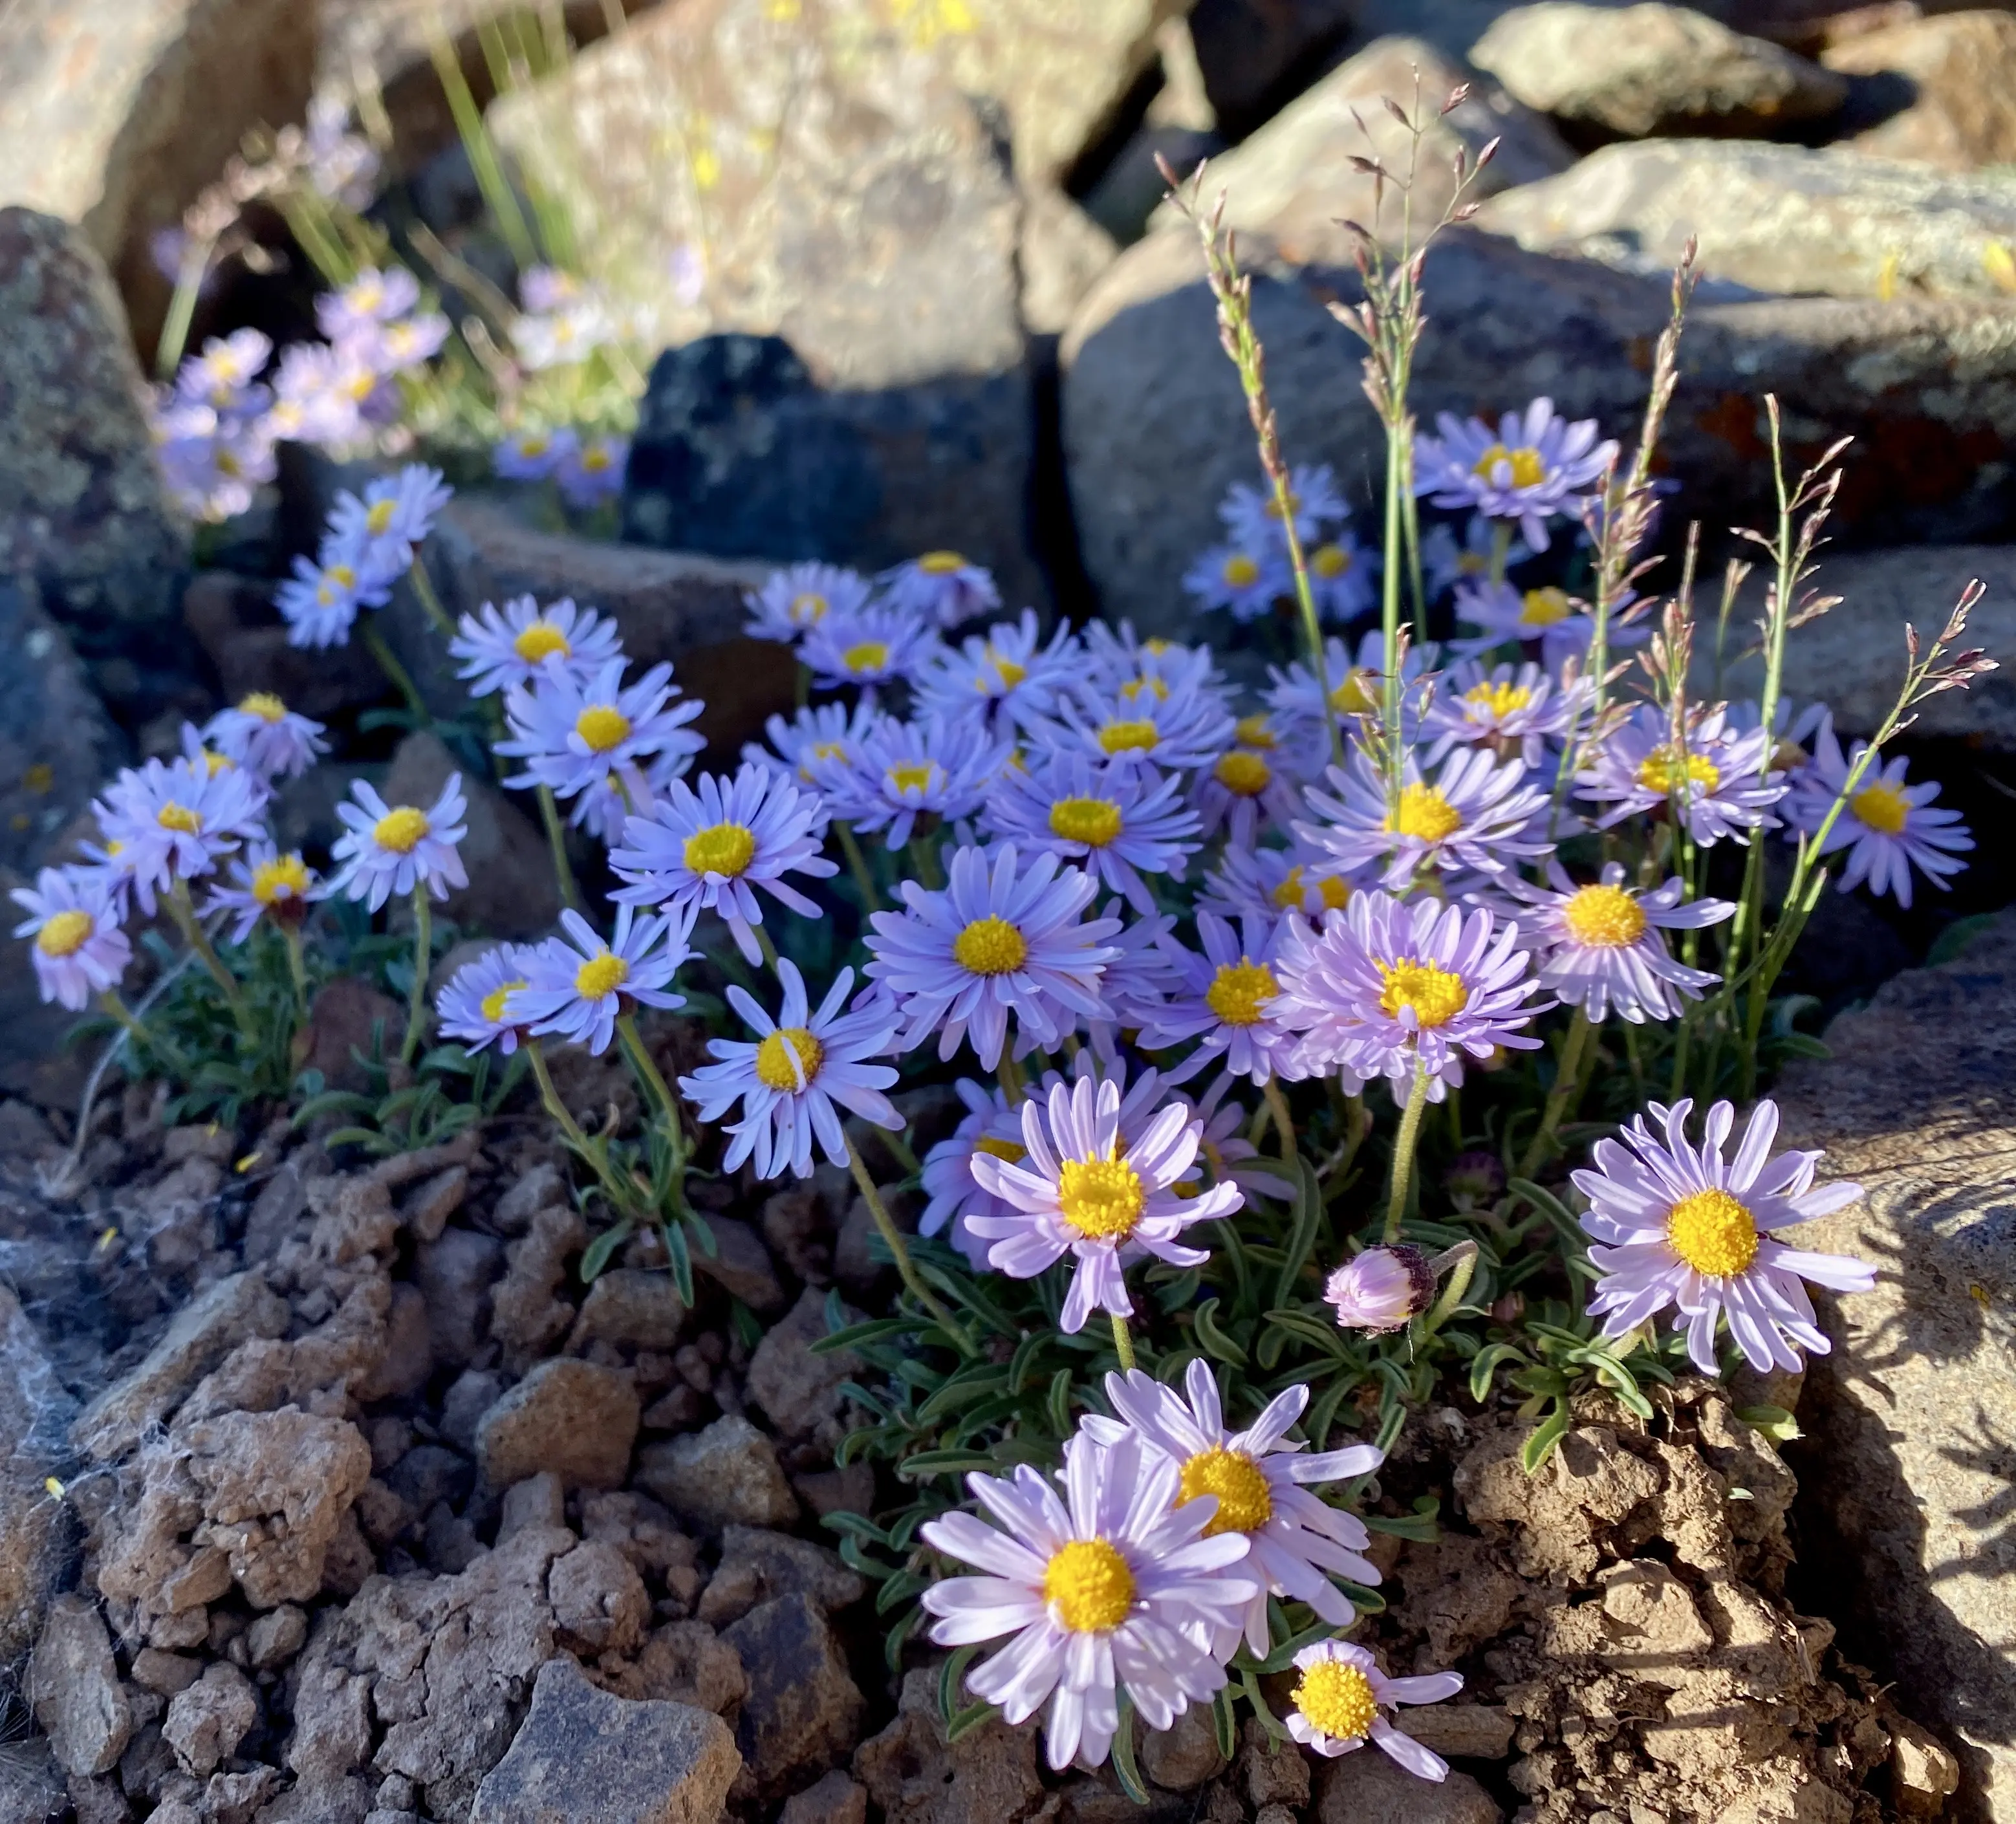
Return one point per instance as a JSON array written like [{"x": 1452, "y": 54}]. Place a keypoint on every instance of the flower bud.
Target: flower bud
[
  {"x": 1381, "y": 1289},
  {"x": 1474, "y": 1179}
]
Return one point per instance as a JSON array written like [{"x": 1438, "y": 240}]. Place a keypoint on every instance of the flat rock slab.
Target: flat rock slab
[
  {"x": 1911, "y": 1421},
  {"x": 582, "y": 1753}
]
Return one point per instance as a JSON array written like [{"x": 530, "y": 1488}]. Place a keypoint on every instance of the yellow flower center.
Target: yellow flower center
[
  {"x": 1425, "y": 813},
  {"x": 1134, "y": 689},
  {"x": 180, "y": 817},
  {"x": 990, "y": 946},
  {"x": 1546, "y": 607},
  {"x": 603, "y": 726},
  {"x": 265, "y": 705},
  {"x": 595, "y": 458},
  {"x": 1245, "y": 776},
  {"x": 1240, "y": 571},
  {"x": 1527, "y": 469},
  {"x": 1353, "y": 697},
  {"x": 540, "y": 641},
  {"x": 1882, "y": 808},
  {"x": 214, "y": 763},
  {"x": 284, "y": 877},
  {"x": 1094, "y": 822},
  {"x": 1330, "y": 561},
  {"x": 720, "y": 848},
  {"x": 379, "y": 518},
  {"x": 1006, "y": 669},
  {"x": 1436, "y": 995},
  {"x": 494, "y": 1002},
  {"x": 400, "y": 829},
  {"x": 774, "y": 1054},
  {"x": 1244, "y": 1500},
  {"x": 340, "y": 574},
  {"x": 1661, "y": 772},
  {"x": 1712, "y": 1232},
  {"x": 1255, "y": 731},
  {"x": 914, "y": 775},
  {"x": 1337, "y": 1698},
  {"x": 1603, "y": 917},
  {"x": 1288, "y": 896},
  {"x": 1240, "y": 989},
  {"x": 807, "y": 609},
  {"x": 601, "y": 975},
  {"x": 1498, "y": 699},
  {"x": 534, "y": 443},
  {"x": 63, "y": 933},
  {"x": 1012, "y": 1152},
  {"x": 1088, "y": 1583},
  {"x": 940, "y": 563},
  {"x": 1128, "y": 737},
  {"x": 1102, "y": 1199},
  {"x": 870, "y": 655}
]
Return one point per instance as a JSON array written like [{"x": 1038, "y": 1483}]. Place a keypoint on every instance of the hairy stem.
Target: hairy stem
[
  {"x": 1123, "y": 1343},
  {"x": 892, "y": 1236},
  {"x": 1403, "y": 1153},
  {"x": 1567, "y": 1082}
]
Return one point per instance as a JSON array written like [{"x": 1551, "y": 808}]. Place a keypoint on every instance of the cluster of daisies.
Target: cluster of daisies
[
  {"x": 216, "y": 426},
  {"x": 564, "y": 323},
  {"x": 1124, "y": 900}
]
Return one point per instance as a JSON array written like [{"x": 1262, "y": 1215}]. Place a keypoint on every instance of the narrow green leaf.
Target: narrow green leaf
[
  {"x": 950, "y": 1675},
  {"x": 1540, "y": 1446},
  {"x": 1309, "y": 1209},
  {"x": 596, "y": 1256},
  {"x": 1124, "y": 1769},
  {"x": 1216, "y": 1343},
  {"x": 1225, "y": 1725},
  {"x": 968, "y": 1719}
]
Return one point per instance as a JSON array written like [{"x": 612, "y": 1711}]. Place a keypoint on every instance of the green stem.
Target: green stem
[
  {"x": 180, "y": 909},
  {"x": 173, "y": 339},
  {"x": 1009, "y": 1075},
  {"x": 549, "y": 815},
  {"x": 109, "y": 999},
  {"x": 416, "y": 1003},
  {"x": 924, "y": 862},
  {"x": 893, "y": 1236},
  {"x": 857, "y": 866},
  {"x": 374, "y": 642},
  {"x": 1461, "y": 1267},
  {"x": 621, "y": 1196},
  {"x": 1283, "y": 1124},
  {"x": 424, "y": 587},
  {"x": 1403, "y": 1153},
  {"x": 1123, "y": 1343},
  {"x": 1567, "y": 1077},
  {"x": 655, "y": 1085},
  {"x": 296, "y": 966}
]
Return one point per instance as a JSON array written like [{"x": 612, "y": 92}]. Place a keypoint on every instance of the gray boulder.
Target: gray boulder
[
  {"x": 34, "y": 1525},
  {"x": 1911, "y": 1421},
  {"x": 58, "y": 747}
]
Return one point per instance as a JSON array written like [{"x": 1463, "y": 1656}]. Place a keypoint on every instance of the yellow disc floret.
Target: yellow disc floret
[
  {"x": 1882, "y": 808},
  {"x": 179, "y": 818},
  {"x": 1337, "y": 1698},
  {"x": 774, "y": 1054},
  {"x": 870, "y": 655},
  {"x": 284, "y": 877},
  {"x": 1244, "y": 775},
  {"x": 1240, "y": 991},
  {"x": 1240, "y": 572},
  {"x": 1603, "y": 917},
  {"x": 1006, "y": 669},
  {"x": 265, "y": 705},
  {"x": 1128, "y": 737},
  {"x": 912, "y": 775},
  {"x": 1547, "y": 607},
  {"x": 1088, "y": 1584},
  {"x": 400, "y": 829},
  {"x": 1330, "y": 561},
  {"x": 1094, "y": 822},
  {"x": 1661, "y": 771},
  {"x": 603, "y": 726},
  {"x": 1498, "y": 700},
  {"x": 1288, "y": 896},
  {"x": 1436, "y": 995},
  {"x": 64, "y": 933},
  {"x": 1712, "y": 1232},
  {"x": 1425, "y": 813},
  {"x": 1010, "y": 1152},
  {"x": 1528, "y": 469},
  {"x": 1256, "y": 730},
  {"x": 378, "y": 521},
  {"x": 1353, "y": 697},
  {"x": 990, "y": 946},
  {"x": 1244, "y": 1500},
  {"x": 807, "y": 608},
  {"x": 601, "y": 975},
  {"x": 720, "y": 848},
  {"x": 493, "y": 1003},
  {"x": 1102, "y": 1199},
  {"x": 940, "y": 563},
  {"x": 541, "y": 641}
]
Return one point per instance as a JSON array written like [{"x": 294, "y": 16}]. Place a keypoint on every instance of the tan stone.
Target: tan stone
[{"x": 1958, "y": 77}]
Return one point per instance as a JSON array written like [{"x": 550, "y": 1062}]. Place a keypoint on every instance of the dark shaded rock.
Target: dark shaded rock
[
  {"x": 629, "y": 1305},
  {"x": 1911, "y": 1420},
  {"x": 1953, "y": 78},
  {"x": 802, "y": 1712},
  {"x": 599, "y": 1603},
  {"x": 74, "y": 1688},
  {"x": 574, "y": 1418},
  {"x": 35, "y": 1529},
  {"x": 644, "y": 1762},
  {"x": 1186, "y": 1754},
  {"x": 740, "y": 1265},
  {"x": 727, "y": 1475},
  {"x": 58, "y": 747},
  {"x": 454, "y": 1275},
  {"x": 205, "y": 1723},
  {"x": 989, "y": 1776},
  {"x": 350, "y": 1016},
  {"x": 86, "y": 532},
  {"x": 1251, "y": 52},
  {"x": 757, "y": 1566},
  {"x": 233, "y": 620},
  {"x": 833, "y": 1798},
  {"x": 1368, "y": 1787},
  {"x": 799, "y": 1391}
]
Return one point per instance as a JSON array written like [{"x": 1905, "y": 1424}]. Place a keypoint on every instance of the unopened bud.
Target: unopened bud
[
  {"x": 1381, "y": 1289},
  {"x": 1474, "y": 1179}
]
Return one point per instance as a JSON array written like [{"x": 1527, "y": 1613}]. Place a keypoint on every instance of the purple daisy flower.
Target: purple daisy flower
[
  {"x": 532, "y": 453},
  {"x": 1380, "y": 1288},
  {"x": 386, "y": 849},
  {"x": 1003, "y": 937},
  {"x": 396, "y": 514},
  {"x": 1338, "y": 1698},
  {"x": 265, "y": 883},
  {"x": 1511, "y": 709},
  {"x": 513, "y": 648},
  {"x": 940, "y": 589},
  {"x": 794, "y": 600},
  {"x": 1271, "y": 883},
  {"x": 576, "y": 733},
  {"x": 1253, "y": 516},
  {"x": 708, "y": 850},
  {"x": 261, "y": 733},
  {"x": 1599, "y": 944},
  {"x": 1175, "y": 719},
  {"x": 905, "y": 772},
  {"x": 477, "y": 1006},
  {"x": 592, "y": 470},
  {"x": 1009, "y": 672},
  {"x": 823, "y": 731},
  {"x": 1677, "y": 1225},
  {"x": 1226, "y": 999},
  {"x": 79, "y": 950},
  {"x": 1391, "y": 989},
  {"x": 953, "y": 1194},
  {"x": 1246, "y": 580},
  {"x": 1888, "y": 826},
  {"x": 1258, "y": 1478},
  {"x": 1076, "y": 1194},
  {"x": 1352, "y": 686},
  {"x": 789, "y": 1081},
  {"x": 1535, "y": 465},
  {"x": 320, "y": 603},
  {"x": 577, "y": 990},
  {"x": 1117, "y": 822},
  {"x": 1475, "y": 817},
  {"x": 1560, "y": 625},
  {"x": 371, "y": 298},
  {"x": 1097, "y": 1593},
  {"x": 881, "y": 644},
  {"x": 1344, "y": 576},
  {"x": 1243, "y": 792},
  {"x": 164, "y": 824},
  {"x": 1717, "y": 780}
]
